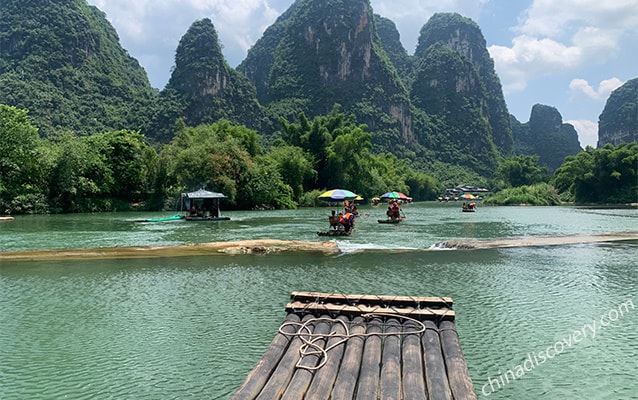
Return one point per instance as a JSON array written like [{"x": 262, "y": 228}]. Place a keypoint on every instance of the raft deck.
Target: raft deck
[{"x": 334, "y": 346}]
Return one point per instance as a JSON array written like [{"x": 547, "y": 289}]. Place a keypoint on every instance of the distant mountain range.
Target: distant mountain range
[{"x": 63, "y": 62}]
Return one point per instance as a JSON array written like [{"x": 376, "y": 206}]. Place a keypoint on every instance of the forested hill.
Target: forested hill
[
  {"x": 62, "y": 61},
  {"x": 546, "y": 136},
  {"x": 319, "y": 53},
  {"x": 442, "y": 108},
  {"x": 618, "y": 123},
  {"x": 203, "y": 88}
]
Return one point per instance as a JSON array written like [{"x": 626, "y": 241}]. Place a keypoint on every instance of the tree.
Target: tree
[
  {"x": 295, "y": 168},
  {"x": 520, "y": 170},
  {"x": 22, "y": 169},
  {"x": 606, "y": 175},
  {"x": 225, "y": 158}
]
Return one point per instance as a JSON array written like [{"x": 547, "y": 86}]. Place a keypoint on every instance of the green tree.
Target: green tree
[
  {"x": 295, "y": 167},
  {"x": 225, "y": 158},
  {"x": 606, "y": 175},
  {"x": 520, "y": 170},
  {"x": 22, "y": 168}
]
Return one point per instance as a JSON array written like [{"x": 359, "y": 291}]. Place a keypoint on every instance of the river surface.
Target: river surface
[{"x": 535, "y": 322}]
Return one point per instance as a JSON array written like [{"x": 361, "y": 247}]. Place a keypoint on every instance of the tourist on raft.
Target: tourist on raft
[
  {"x": 347, "y": 220},
  {"x": 394, "y": 211}
]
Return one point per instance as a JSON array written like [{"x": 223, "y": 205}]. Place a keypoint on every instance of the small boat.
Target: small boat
[
  {"x": 391, "y": 220},
  {"x": 471, "y": 207},
  {"x": 163, "y": 219},
  {"x": 203, "y": 205},
  {"x": 335, "y": 232},
  {"x": 6, "y": 218}
]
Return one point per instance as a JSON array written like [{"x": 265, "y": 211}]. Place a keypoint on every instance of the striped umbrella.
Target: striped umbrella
[
  {"x": 394, "y": 195},
  {"x": 338, "y": 195}
]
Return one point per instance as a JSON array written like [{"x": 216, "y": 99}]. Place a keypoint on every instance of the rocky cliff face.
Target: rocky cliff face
[
  {"x": 454, "y": 78},
  {"x": 320, "y": 53},
  {"x": 547, "y": 136},
  {"x": 203, "y": 87},
  {"x": 618, "y": 123}
]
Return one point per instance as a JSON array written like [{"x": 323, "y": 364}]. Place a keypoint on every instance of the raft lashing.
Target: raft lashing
[{"x": 335, "y": 346}]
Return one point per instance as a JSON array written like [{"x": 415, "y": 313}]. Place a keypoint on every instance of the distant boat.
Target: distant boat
[
  {"x": 162, "y": 219},
  {"x": 203, "y": 205},
  {"x": 391, "y": 220}
]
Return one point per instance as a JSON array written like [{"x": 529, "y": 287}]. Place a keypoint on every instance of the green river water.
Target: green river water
[{"x": 561, "y": 316}]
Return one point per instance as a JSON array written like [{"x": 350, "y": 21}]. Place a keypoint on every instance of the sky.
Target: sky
[{"x": 568, "y": 54}]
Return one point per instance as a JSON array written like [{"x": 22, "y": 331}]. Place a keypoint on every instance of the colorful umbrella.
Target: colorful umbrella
[
  {"x": 394, "y": 195},
  {"x": 467, "y": 196},
  {"x": 338, "y": 195}
]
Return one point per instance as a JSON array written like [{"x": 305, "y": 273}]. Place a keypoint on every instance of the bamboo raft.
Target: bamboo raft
[
  {"x": 335, "y": 232},
  {"x": 334, "y": 346}
]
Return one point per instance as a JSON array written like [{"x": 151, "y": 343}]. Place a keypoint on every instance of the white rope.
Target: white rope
[{"x": 309, "y": 347}]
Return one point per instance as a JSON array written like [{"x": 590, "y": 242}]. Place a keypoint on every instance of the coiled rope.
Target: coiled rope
[{"x": 310, "y": 347}]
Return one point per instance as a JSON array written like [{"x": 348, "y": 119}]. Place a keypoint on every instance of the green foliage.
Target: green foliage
[
  {"x": 606, "y": 175},
  {"x": 218, "y": 157},
  {"x": 337, "y": 151},
  {"x": 92, "y": 173},
  {"x": 541, "y": 194},
  {"x": 295, "y": 166},
  {"x": 23, "y": 163},
  {"x": 63, "y": 62},
  {"x": 519, "y": 171}
]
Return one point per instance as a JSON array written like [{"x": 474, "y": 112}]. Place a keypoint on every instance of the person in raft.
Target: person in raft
[
  {"x": 347, "y": 206},
  {"x": 347, "y": 220},
  {"x": 394, "y": 212}
]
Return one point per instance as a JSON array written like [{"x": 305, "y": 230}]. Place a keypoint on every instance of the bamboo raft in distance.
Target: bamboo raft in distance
[
  {"x": 335, "y": 232},
  {"x": 362, "y": 346}
]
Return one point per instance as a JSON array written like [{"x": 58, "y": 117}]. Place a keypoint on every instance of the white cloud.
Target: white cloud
[
  {"x": 410, "y": 15},
  {"x": 530, "y": 56},
  {"x": 558, "y": 36},
  {"x": 581, "y": 86},
  {"x": 587, "y": 132}
]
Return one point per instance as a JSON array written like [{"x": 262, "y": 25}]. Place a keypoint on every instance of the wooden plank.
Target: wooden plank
[
  {"x": 282, "y": 375},
  {"x": 412, "y": 359},
  {"x": 390, "y": 379},
  {"x": 435, "y": 373},
  {"x": 414, "y": 301},
  {"x": 370, "y": 363},
  {"x": 302, "y": 377},
  {"x": 325, "y": 377},
  {"x": 457, "y": 372},
  {"x": 332, "y": 309},
  {"x": 348, "y": 375},
  {"x": 259, "y": 375}
]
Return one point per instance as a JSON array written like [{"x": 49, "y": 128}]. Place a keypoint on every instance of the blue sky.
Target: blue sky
[{"x": 569, "y": 54}]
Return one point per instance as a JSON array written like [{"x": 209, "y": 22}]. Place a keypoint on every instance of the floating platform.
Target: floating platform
[
  {"x": 335, "y": 232},
  {"x": 335, "y": 346},
  {"x": 205, "y": 218},
  {"x": 390, "y": 221}
]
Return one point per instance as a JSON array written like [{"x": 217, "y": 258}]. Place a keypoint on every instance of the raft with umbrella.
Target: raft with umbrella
[
  {"x": 337, "y": 196},
  {"x": 392, "y": 197}
]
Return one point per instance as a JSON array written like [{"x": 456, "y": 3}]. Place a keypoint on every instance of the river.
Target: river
[{"x": 560, "y": 317}]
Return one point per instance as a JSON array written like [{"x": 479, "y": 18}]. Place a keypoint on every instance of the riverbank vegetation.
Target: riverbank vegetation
[{"x": 119, "y": 170}]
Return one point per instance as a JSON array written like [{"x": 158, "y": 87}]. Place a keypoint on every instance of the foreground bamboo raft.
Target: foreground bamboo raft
[{"x": 334, "y": 346}]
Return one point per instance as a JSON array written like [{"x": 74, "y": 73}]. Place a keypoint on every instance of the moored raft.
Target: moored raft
[{"x": 335, "y": 346}]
